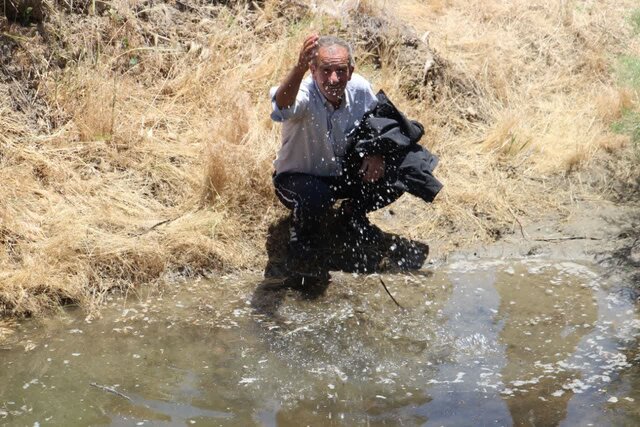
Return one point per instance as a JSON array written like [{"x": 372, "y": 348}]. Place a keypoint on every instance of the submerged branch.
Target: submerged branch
[
  {"x": 111, "y": 390},
  {"x": 555, "y": 239},
  {"x": 386, "y": 289}
]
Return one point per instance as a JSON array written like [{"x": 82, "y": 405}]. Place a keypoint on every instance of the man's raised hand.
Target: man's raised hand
[
  {"x": 307, "y": 52},
  {"x": 288, "y": 89}
]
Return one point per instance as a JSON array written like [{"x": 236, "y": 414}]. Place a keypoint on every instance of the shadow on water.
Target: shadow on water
[
  {"x": 623, "y": 265},
  {"x": 624, "y": 261},
  {"x": 338, "y": 250}
]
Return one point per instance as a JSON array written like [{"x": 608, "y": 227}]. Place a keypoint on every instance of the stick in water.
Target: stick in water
[
  {"x": 385, "y": 288},
  {"x": 111, "y": 390}
]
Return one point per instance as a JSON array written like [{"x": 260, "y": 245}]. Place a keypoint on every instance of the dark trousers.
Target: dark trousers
[{"x": 310, "y": 197}]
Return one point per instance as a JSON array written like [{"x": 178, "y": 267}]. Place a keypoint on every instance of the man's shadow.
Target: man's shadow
[{"x": 336, "y": 250}]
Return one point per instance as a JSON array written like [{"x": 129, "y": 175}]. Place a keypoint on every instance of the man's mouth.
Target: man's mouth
[{"x": 335, "y": 90}]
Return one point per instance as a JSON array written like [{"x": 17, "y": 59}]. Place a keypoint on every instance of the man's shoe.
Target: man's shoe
[
  {"x": 300, "y": 245},
  {"x": 303, "y": 257}
]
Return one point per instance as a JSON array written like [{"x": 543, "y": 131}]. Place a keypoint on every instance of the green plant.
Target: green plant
[
  {"x": 629, "y": 75},
  {"x": 635, "y": 21},
  {"x": 629, "y": 124},
  {"x": 629, "y": 71}
]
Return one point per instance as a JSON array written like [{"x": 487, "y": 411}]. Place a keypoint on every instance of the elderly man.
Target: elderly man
[{"x": 311, "y": 170}]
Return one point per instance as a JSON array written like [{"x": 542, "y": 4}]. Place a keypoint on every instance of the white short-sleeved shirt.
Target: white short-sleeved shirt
[{"x": 314, "y": 132}]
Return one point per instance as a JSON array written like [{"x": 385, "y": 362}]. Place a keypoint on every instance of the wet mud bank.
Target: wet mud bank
[{"x": 605, "y": 233}]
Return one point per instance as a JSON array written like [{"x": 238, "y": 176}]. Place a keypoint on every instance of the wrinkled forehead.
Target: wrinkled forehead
[{"x": 334, "y": 54}]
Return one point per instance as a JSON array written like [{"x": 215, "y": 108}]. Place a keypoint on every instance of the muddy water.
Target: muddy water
[{"x": 478, "y": 343}]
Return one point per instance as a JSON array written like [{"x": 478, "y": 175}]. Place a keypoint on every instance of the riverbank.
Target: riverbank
[{"x": 136, "y": 145}]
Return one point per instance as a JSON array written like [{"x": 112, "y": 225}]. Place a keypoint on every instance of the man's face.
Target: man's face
[{"x": 331, "y": 71}]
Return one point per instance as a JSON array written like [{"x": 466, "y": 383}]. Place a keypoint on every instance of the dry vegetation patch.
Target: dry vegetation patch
[{"x": 136, "y": 141}]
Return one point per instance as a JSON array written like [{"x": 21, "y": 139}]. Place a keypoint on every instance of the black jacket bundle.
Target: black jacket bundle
[{"x": 386, "y": 131}]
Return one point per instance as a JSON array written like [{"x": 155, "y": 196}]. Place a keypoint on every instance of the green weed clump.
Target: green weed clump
[
  {"x": 635, "y": 21},
  {"x": 629, "y": 124},
  {"x": 629, "y": 71}
]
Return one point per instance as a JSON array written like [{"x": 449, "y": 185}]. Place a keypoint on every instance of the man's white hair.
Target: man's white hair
[{"x": 328, "y": 41}]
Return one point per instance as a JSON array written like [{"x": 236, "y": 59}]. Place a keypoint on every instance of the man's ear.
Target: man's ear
[{"x": 351, "y": 68}]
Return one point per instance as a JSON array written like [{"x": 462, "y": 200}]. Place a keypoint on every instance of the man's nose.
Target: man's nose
[{"x": 333, "y": 77}]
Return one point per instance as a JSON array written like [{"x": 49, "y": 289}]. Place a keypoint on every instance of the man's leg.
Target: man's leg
[
  {"x": 368, "y": 197},
  {"x": 363, "y": 197},
  {"x": 309, "y": 197}
]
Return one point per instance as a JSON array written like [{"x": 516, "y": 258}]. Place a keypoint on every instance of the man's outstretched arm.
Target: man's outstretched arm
[{"x": 288, "y": 89}]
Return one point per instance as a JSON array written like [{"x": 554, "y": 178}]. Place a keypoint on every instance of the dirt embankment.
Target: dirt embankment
[{"x": 136, "y": 143}]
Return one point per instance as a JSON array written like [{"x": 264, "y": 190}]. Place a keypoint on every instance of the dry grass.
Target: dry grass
[{"x": 150, "y": 152}]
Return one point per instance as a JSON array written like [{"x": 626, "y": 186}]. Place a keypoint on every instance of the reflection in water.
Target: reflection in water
[
  {"x": 339, "y": 250},
  {"x": 271, "y": 292},
  {"x": 544, "y": 322},
  {"x": 479, "y": 343},
  {"x": 531, "y": 335},
  {"x": 372, "y": 410},
  {"x": 465, "y": 390}
]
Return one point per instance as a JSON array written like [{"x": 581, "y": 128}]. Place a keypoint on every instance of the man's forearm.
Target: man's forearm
[{"x": 288, "y": 89}]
